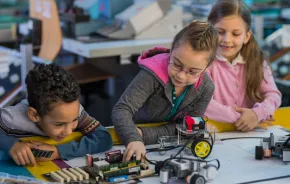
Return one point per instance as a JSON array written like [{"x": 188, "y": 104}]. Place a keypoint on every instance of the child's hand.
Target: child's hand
[
  {"x": 248, "y": 120},
  {"x": 22, "y": 154},
  {"x": 46, "y": 147},
  {"x": 140, "y": 131},
  {"x": 134, "y": 147},
  {"x": 266, "y": 123}
]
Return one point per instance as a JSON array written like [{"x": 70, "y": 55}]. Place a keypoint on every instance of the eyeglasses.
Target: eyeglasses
[{"x": 179, "y": 68}]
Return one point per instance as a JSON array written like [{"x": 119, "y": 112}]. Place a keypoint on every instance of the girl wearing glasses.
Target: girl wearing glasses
[
  {"x": 245, "y": 95},
  {"x": 170, "y": 81}
]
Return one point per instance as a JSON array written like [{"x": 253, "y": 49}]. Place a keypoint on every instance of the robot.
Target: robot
[
  {"x": 192, "y": 130},
  {"x": 278, "y": 146},
  {"x": 193, "y": 171}
]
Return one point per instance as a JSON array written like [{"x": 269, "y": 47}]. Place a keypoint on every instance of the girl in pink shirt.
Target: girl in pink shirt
[{"x": 245, "y": 92}]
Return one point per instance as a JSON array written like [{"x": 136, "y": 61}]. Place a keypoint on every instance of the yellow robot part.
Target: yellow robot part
[{"x": 201, "y": 148}]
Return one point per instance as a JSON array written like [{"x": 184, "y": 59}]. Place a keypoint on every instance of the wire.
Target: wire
[
  {"x": 285, "y": 143},
  {"x": 194, "y": 136},
  {"x": 150, "y": 161},
  {"x": 184, "y": 146},
  {"x": 158, "y": 150},
  {"x": 231, "y": 138},
  {"x": 163, "y": 149}
]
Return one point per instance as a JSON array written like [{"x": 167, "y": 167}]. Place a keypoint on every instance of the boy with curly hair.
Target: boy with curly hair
[{"x": 52, "y": 109}]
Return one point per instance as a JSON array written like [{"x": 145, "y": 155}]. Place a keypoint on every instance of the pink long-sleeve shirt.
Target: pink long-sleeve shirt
[{"x": 230, "y": 91}]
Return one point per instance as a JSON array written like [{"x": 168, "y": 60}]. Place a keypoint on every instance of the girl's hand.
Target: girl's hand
[
  {"x": 248, "y": 120},
  {"x": 266, "y": 123},
  {"x": 140, "y": 132},
  {"x": 22, "y": 154},
  {"x": 136, "y": 147}
]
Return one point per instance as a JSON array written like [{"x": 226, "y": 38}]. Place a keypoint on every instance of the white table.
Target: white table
[
  {"x": 237, "y": 159},
  {"x": 112, "y": 48}
]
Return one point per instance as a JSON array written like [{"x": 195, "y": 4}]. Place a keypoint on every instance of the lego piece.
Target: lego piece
[
  {"x": 97, "y": 178},
  {"x": 77, "y": 174},
  {"x": 147, "y": 172},
  {"x": 48, "y": 155},
  {"x": 85, "y": 174},
  {"x": 99, "y": 165},
  {"x": 189, "y": 122},
  {"x": 80, "y": 182},
  {"x": 35, "y": 152},
  {"x": 63, "y": 175},
  {"x": 57, "y": 177},
  {"x": 164, "y": 175},
  {"x": 286, "y": 154},
  {"x": 41, "y": 153},
  {"x": 90, "y": 171},
  {"x": 119, "y": 178},
  {"x": 95, "y": 158},
  {"x": 134, "y": 169},
  {"x": 114, "y": 156},
  {"x": 122, "y": 171},
  {"x": 89, "y": 160},
  {"x": 71, "y": 175},
  {"x": 144, "y": 166}
]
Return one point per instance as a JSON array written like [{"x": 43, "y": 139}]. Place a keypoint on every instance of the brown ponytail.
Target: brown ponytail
[{"x": 254, "y": 59}]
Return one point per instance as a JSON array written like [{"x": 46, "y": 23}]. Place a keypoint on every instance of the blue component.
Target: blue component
[
  {"x": 200, "y": 119},
  {"x": 119, "y": 178}
]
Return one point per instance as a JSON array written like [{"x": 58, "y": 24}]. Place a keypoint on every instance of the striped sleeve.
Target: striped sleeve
[{"x": 87, "y": 123}]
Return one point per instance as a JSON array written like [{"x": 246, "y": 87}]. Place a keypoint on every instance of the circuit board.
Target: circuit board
[{"x": 101, "y": 172}]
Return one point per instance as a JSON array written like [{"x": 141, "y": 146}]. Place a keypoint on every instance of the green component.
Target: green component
[
  {"x": 119, "y": 172},
  {"x": 120, "y": 165}
]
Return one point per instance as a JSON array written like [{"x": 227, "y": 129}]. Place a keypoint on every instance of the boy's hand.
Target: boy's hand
[
  {"x": 46, "y": 147},
  {"x": 134, "y": 147},
  {"x": 248, "y": 120},
  {"x": 22, "y": 154}
]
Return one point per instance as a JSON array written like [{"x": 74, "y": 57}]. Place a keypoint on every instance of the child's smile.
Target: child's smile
[
  {"x": 226, "y": 47},
  {"x": 233, "y": 34},
  {"x": 61, "y": 120}
]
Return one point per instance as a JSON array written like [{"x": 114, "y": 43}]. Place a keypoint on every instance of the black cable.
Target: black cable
[
  {"x": 267, "y": 179},
  {"x": 150, "y": 161},
  {"x": 285, "y": 143},
  {"x": 194, "y": 136},
  {"x": 157, "y": 150},
  {"x": 162, "y": 149},
  {"x": 190, "y": 140},
  {"x": 230, "y": 138}
]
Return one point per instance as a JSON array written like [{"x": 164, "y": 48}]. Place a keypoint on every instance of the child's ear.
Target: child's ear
[
  {"x": 33, "y": 115},
  {"x": 248, "y": 36}
]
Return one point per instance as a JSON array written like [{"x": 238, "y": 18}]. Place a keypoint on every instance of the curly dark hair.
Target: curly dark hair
[{"x": 48, "y": 84}]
